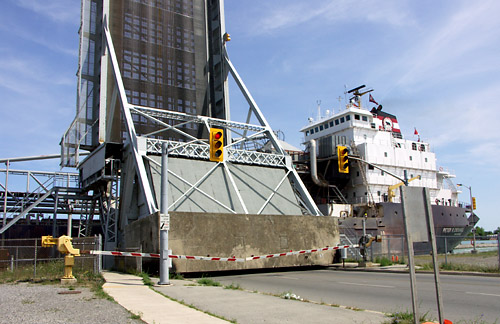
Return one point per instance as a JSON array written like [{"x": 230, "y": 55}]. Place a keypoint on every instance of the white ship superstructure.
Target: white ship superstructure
[{"x": 375, "y": 137}]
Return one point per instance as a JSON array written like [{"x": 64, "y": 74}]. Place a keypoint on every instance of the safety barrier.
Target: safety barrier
[{"x": 209, "y": 258}]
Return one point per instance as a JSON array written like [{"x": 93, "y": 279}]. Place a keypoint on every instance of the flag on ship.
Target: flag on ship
[
  {"x": 373, "y": 100},
  {"x": 416, "y": 132}
]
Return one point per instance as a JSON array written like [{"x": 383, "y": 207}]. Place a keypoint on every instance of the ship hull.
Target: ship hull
[{"x": 450, "y": 225}]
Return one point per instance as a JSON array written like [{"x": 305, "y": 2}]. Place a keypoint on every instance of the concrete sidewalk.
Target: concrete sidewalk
[
  {"x": 130, "y": 292},
  {"x": 234, "y": 305}
]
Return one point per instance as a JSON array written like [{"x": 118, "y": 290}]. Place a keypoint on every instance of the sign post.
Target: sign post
[{"x": 419, "y": 227}]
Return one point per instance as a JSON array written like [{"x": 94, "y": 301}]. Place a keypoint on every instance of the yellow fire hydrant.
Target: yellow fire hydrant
[{"x": 64, "y": 246}]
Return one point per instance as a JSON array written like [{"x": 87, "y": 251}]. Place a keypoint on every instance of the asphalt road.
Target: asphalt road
[{"x": 471, "y": 299}]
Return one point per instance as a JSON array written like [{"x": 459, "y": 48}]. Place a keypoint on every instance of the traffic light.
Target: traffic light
[
  {"x": 342, "y": 155},
  {"x": 473, "y": 203},
  {"x": 216, "y": 144}
]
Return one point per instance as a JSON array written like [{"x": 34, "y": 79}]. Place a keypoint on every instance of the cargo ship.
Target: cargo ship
[{"x": 367, "y": 196}]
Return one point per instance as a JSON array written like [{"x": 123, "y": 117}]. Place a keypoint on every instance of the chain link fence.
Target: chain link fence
[
  {"x": 20, "y": 253},
  {"x": 450, "y": 248}
]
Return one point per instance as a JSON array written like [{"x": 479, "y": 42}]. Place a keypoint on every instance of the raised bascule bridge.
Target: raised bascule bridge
[{"x": 143, "y": 94}]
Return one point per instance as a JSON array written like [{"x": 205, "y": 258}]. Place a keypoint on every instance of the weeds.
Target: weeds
[
  {"x": 176, "y": 276},
  {"x": 208, "y": 282},
  {"x": 460, "y": 267},
  {"x": 406, "y": 318},
  {"x": 146, "y": 279},
  {"x": 233, "y": 286}
]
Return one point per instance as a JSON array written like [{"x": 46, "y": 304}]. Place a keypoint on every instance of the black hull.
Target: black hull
[{"x": 450, "y": 225}]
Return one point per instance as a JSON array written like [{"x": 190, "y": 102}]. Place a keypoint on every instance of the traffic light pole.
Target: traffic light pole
[
  {"x": 164, "y": 219},
  {"x": 405, "y": 180}
]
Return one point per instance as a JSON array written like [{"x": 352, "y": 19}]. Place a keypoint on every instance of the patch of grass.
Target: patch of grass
[
  {"x": 406, "y": 317},
  {"x": 460, "y": 267},
  {"x": 176, "y": 276},
  {"x": 383, "y": 261},
  {"x": 208, "y": 282},
  {"x": 146, "y": 279},
  {"x": 136, "y": 316},
  {"x": 233, "y": 286},
  {"x": 45, "y": 271}
]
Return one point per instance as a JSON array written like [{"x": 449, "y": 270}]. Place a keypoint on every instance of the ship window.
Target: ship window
[
  {"x": 331, "y": 123},
  {"x": 370, "y": 167},
  {"x": 336, "y": 121},
  {"x": 364, "y": 118},
  {"x": 425, "y": 159},
  {"x": 316, "y": 129},
  {"x": 385, "y": 154},
  {"x": 342, "y": 119},
  {"x": 321, "y": 127},
  {"x": 348, "y": 117},
  {"x": 326, "y": 126},
  {"x": 357, "y": 174},
  {"x": 414, "y": 146},
  {"x": 356, "y": 117},
  {"x": 382, "y": 172},
  {"x": 411, "y": 158},
  {"x": 354, "y": 194},
  {"x": 422, "y": 147},
  {"x": 312, "y": 131},
  {"x": 379, "y": 193},
  {"x": 307, "y": 133}
]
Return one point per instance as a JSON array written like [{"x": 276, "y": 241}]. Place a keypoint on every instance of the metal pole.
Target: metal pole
[
  {"x": 164, "y": 261},
  {"x": 498, "y": 242},
  {"x": 445, "y": 250},
  {"x": 430, "y": 227},
  {"x": 5, "y": 198},
  {"x": 411, "y": 264},
  {"x": 70, "y": 220},
  {"x": 34, "y": 268},
  {"x": 99, "y": 257}
]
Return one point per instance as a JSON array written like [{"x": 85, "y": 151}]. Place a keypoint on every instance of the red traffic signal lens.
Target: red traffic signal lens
[{"x": 218, "y": 135}]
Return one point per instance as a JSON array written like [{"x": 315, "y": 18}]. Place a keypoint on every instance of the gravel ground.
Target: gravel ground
[{"x": 36, "y": 303}]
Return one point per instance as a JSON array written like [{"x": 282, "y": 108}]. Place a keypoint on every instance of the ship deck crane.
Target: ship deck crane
[{"x": 391, "y": 189}]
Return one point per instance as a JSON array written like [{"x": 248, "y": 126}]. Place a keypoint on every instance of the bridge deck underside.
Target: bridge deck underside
[{"x": 204, "y": 186}]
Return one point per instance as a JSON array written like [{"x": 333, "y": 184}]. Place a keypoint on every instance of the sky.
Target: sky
[{"x": 432, "y": 64}]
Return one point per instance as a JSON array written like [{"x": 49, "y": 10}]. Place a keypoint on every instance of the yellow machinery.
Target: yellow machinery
[
  {"x": 391, "y": 193},
  {"x": 64, "y": 246}
]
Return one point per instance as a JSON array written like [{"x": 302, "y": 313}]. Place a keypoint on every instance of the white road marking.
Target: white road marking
[
  {"x": 484, "y": 294},
  {"x": 367, "y": 285}
]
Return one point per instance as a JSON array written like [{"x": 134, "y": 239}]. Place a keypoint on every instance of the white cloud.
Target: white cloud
[
  {"x": 466, "y": 36},
  {"x": 64, "y": 11},
  {"x": 295, "y": 13}
]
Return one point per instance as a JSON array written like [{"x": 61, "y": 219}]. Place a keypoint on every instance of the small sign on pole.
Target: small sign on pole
[{"x": 164, "y": 222}]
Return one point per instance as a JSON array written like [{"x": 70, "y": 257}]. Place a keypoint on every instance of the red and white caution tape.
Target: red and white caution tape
[
  {"x": 275, "y": 255},
  {"x": 228, "y": 259},
  {"x": 156, "y": 255}
]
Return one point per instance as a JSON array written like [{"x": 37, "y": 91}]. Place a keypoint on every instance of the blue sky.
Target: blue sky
[{"x": 433, "y": 64}]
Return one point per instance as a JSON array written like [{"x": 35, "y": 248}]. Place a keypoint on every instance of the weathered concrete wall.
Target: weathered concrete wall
[{"x": 238, "y": 235}]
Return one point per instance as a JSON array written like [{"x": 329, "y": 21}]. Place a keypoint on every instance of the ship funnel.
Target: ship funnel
[{"x": 314, "y": 167}]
